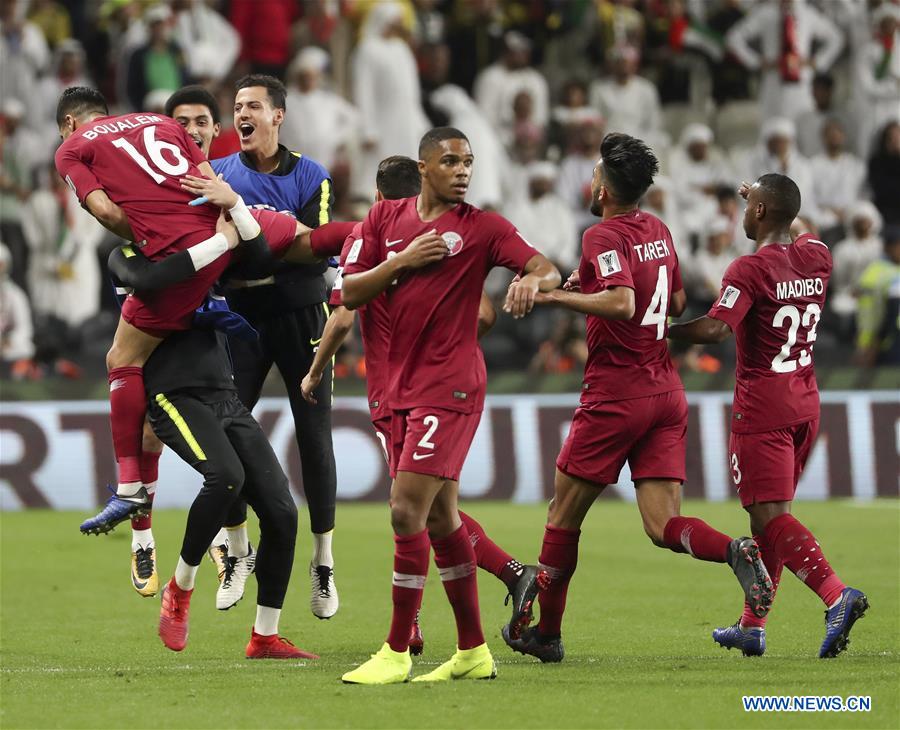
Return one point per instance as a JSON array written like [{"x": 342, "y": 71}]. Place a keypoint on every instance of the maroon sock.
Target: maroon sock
[
  {"x": 127, "y": 408},
  {"x": 693, "y": 536},
  {"x": 410, "y": 570},
  {"x": 773, "y": 565},
  {"x": 490, "y": 556},
  {"x": 796, "y": 546},
  {"x": 559, "y": 556},
  {"x": 455, "y": 559}
]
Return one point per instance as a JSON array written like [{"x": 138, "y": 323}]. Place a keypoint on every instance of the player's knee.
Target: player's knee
[
  {"x": 405, "y": 518},
  {"x": 227, "y": 477},
  {"x": 281, "y": 524}
]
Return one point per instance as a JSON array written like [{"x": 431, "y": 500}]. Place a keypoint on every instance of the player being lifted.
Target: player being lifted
[
  {"x": 431, "y": 254},
  {"x": 772, "y": 300},
  {"x": 632, "y": 403},
  {"x": 398, "y": 177}
]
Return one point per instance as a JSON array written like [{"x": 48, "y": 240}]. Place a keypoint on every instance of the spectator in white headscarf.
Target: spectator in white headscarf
[
  {"x": 777, "y": 152},
  {"x": 545, "y": 220},
  {"x": 711, "y": 260},
  {"x": 491, "y": 161},
  {"x": 700, "y": 169},
  {"x": 211, "y": 44},
  {"x": 24, "y": 54},
  {"x": 877, "y": 88},
  {"x": 838, "y": 178},
  {"x": 320, "y": 124},
  {"x": 386, "y": 91},
  {"x": 497, "y": 86},
  {"x": 785, "y": 31},
  {"x": 68, "y": 70},
  {"x": 577, "y": 168},
  {"x": 861, "y": 247},
  {"x": 660, "y": 200}
]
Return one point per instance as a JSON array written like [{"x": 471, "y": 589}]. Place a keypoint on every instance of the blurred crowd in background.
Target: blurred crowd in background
[{"x": 723, "y": 90}]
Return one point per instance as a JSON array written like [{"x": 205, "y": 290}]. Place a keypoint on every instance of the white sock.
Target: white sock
[
  {"x": 322, "y": 549},
  {"x": 130, "y": 490},
  {"x": 151, "y": 488},
  {"x": 238, "y": 543},
  {"x": 141, "y": 539},
  {"x": 185, "y": 575},
  {"x": 221, "y": 538},
  {"x": 266, "y": 620}
]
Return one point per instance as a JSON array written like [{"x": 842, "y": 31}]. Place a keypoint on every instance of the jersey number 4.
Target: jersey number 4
[
  {"x": 658, "y": 311},
  {"x": 790, "y": 315},
  {"x": 155, "y": 149}
]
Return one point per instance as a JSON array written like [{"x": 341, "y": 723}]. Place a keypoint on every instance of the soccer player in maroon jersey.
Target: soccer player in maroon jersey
[
  {"x": 772, "y": 301},
  {"x": 632, "y": 404},
  {"x": 398, "y": 177},
  {"x": 431, "y": 254}
]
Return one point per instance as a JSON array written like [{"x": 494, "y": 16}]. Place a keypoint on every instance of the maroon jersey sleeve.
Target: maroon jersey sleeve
[
  {"x": 737, "y": 295},
  {"x": 507, "y": 246},
  {"x": 365, "y": 251},
  {"x": 336, "y": 299},
  {"x": 72, "y": 168},
  {"x": 607, "y": 254}
]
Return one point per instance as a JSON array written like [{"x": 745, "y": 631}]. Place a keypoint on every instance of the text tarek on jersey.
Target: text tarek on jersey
[{"x": 795, "y": 288}]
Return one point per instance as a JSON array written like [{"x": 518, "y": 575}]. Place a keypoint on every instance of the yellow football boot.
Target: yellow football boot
[
  {"x": 474, "y": 663},
  {"x": 144, "y": 577},
  {"x": 385, "y": 667}
]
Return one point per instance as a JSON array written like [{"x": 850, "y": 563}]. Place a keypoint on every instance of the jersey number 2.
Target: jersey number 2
[
  {"x": 658, "y": 311},
  {"x": 155, "y": 149},
  {"x": 810, "y": 320}
]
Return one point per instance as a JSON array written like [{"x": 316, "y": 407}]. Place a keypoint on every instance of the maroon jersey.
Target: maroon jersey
[
  {"x": 773, "y": 300},
  {"x": 630, "y": 358},
  {"x": 433, "y": 356},
  {"x": 375, "y": 328},
  {"x": 138, "y": 160}
]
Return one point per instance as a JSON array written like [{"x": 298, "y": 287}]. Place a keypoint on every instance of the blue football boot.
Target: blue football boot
[
  {"x": 751, "y": 642},
  {"x": 839, "y": 619},
  {"x": 116, "y": 510}
]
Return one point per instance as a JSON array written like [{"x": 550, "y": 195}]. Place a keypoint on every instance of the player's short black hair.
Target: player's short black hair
[
  {"x": 781, "y": 196},
  {"x": 398, "y": 177},
  {"x": 274, "y": 87},
  {"x": 193, "y": 94},
  {"x": 629, "y": 166},
  {"x": 433, "y": 137},
  {"x": 78, "y": 101}
]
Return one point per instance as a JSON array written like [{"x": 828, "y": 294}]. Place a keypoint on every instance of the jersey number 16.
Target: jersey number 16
[{"x": 155, "y": 149}]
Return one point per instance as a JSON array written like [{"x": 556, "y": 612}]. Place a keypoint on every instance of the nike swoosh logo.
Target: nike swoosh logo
[
  {"x": 419, "y": 457},
  {"x": 137, "y": 584},
  {"x": 392, "y": 243},
  {"x": 315, "y": 342},
  {"x": 460, "y": 675}
]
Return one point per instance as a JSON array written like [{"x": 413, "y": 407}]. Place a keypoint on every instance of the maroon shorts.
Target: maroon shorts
[
  {"x": 431, "y": 441},
  {"x": 382, "y": 428},
  {"x": 158, "y": 313},
  {"x": 649, "y": 433},
  {"x": 767, "y": 466}
]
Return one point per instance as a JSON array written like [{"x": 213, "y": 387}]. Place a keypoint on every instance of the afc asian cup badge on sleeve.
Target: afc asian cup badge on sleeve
[{"x": 454, "y": 242}]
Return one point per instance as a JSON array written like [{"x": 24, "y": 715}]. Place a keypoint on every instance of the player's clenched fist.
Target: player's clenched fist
[
  {"x": 520, "y": 296},
  {"x": 429, "y": 248},
  {"x": 573, "y": 283}
]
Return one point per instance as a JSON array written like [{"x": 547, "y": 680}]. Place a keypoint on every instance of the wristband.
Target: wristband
[
  {"x": 205, "y": 252},
  {"x": 246, "y": 224}
]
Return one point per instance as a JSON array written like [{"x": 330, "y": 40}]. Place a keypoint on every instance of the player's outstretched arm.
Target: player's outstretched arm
[
  {"x": 336, "y": 330},
  {"x": 617, "y": 302},
  {"x": 701, "y": 331},
  {"x": 362, "y": 287},
  {"x": 540, "y": 276},
  {"x": 314, "y": 245},
  {"x": 110, "y": 215}
]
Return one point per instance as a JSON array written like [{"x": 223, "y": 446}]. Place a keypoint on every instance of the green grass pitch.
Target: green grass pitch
[{"x": 79, "y": 647}]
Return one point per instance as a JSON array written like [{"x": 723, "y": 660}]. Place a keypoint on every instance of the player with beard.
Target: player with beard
[
  {"x": 632, "y": 401},
  {"x": 431, "y": 254},
  {"x": 772, "y": 300}
]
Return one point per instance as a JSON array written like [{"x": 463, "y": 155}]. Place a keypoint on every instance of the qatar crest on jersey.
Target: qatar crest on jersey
[{"x": 454, "y": 242}]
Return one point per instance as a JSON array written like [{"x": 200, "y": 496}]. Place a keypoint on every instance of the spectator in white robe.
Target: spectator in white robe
[
  {"x": 491, "y": 160},
  {"x": 660, "y": 200},
  {"x": 700, "y": 168},
  {"x": 210, "y": 43},
  {"x": 387, "y": 93},
  {"x": 810, "y": 123},
  {"x": 577, "y": 168},
  {"x": 319, "y": 123},
  {"x": 629, "y": 102},
  {"x": 877, "y": 89},
  {"x": 838, "y": 177},
  {"x": 861, "y": 247},
  {"x": 545, "y": 220},
  {"x": 68, "y": 70},
  {"x": 710, "y": 262},
  {"x": 24, "y": 54},
  {"x": 785, "y": 31},
  {"x": 497, "y": 86},
  {"x": 777, "y": 152},
  {"x": 16, "y": 326}
]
